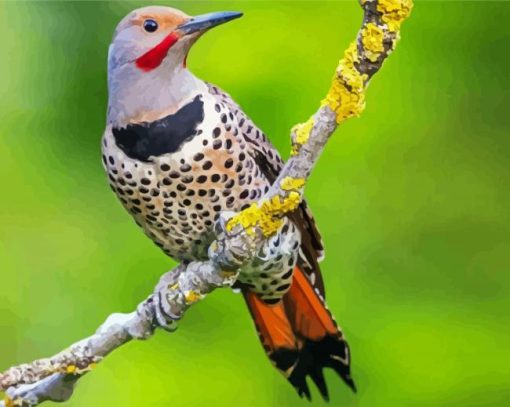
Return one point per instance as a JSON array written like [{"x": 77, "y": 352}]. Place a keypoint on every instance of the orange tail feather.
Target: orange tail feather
[{"x": 300, "y": 336}]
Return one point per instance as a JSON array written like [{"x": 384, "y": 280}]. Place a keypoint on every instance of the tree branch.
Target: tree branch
[{"x": 239, "y": 236}]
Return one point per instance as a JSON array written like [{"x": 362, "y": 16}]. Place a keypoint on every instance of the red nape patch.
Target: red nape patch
[{"x": 153, "y": 58}]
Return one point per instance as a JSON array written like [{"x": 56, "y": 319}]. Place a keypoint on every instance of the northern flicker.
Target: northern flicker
[{"x": 178, "y": 151}]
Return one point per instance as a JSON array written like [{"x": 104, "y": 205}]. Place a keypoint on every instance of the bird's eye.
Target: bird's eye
[{"x": 150, "y": 25}]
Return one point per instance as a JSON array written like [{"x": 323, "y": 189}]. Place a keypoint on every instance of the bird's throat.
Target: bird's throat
[{"x": 154, "y": 57}]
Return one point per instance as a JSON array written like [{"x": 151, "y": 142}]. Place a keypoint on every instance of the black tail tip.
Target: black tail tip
[
  {"x": 313, "y": 358},
  {"x": 304, "y": 392},
  {"x": 350, "y": 382}
]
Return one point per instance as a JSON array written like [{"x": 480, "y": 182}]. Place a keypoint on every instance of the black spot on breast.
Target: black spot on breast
[
  {"x": 166, "y": 135},
  {"x": 229, "y": 163},
  {"x": 283, "y": 287},
  {"x": 187, "y": 179}
]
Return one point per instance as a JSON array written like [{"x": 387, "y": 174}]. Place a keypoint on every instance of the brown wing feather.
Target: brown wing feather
[{"x": 270, "y": 163}]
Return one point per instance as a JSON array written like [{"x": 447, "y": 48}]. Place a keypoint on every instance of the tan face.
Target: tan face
[
  {"x": 144, "y": 30},
  {"x": 167, "y": 18},
  {"x": 148, "y": 35}
]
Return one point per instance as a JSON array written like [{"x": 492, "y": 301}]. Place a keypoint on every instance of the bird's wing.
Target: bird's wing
[{"x": 271, "y": 163}]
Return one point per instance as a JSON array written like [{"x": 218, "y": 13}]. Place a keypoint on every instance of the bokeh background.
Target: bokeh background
[{"x": 412, "y": 198}]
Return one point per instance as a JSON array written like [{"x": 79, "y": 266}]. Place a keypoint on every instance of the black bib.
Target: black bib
[{"x": 167, "y": 135}]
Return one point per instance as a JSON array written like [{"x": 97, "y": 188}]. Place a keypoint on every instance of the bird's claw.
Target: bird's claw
[{"x": 169, "y": 301}]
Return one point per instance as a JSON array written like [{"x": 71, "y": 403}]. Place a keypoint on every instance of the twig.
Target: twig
[{"x": 239, "y": 236}]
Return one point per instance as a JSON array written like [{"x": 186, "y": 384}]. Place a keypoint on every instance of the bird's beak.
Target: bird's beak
[{"x": 206, "y": 21}]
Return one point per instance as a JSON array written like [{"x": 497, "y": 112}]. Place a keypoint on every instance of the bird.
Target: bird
[{"x": 178, "y": 151}]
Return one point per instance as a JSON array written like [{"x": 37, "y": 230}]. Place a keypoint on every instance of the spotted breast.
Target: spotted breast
[{"x": 176, "y": 174}]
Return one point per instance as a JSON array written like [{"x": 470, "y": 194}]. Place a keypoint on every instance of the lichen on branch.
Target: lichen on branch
[
  {"x": 393, "y": 12},
  {"x": 265, "y": 216}
]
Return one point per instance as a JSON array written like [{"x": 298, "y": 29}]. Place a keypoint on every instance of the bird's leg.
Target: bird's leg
[
  {"x": 178, "y": 289},
  {"x": 168, "y": 300}
]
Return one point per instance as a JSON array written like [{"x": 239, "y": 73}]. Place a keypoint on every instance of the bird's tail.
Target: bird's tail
[{"x": 300, "y": 336}]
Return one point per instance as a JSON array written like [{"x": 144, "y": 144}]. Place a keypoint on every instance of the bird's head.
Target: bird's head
[
  {"x": 147, "y": 75},
  {"x": 152, "y": 38},
  {"x": 147, "y": 72}
]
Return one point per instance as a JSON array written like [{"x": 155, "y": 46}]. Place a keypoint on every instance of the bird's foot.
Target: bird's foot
[{"x": 169, "y": 300}]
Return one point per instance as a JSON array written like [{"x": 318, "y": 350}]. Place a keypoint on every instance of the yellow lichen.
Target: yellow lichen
[
  {"x": 372, "y": 38},
  {"x": 192, "y": 296},
  {"x": 251, "y": 217},
  {"x": 8, "y": 401},
  {"x": 267, "y": 217},
  {"x": 228, "y": 274},
  {"x": 71, "y": 369},
  {"x": 347, "y": 68},
  {"x": 394, "y": 12},
  {"x": 301, "y": 134},
  {"x": 345, "y": 96},
  {"x": 292, "y": 184}
]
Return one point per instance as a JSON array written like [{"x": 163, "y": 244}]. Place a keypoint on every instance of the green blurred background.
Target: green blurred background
[{"x": 412, "y": 199}]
